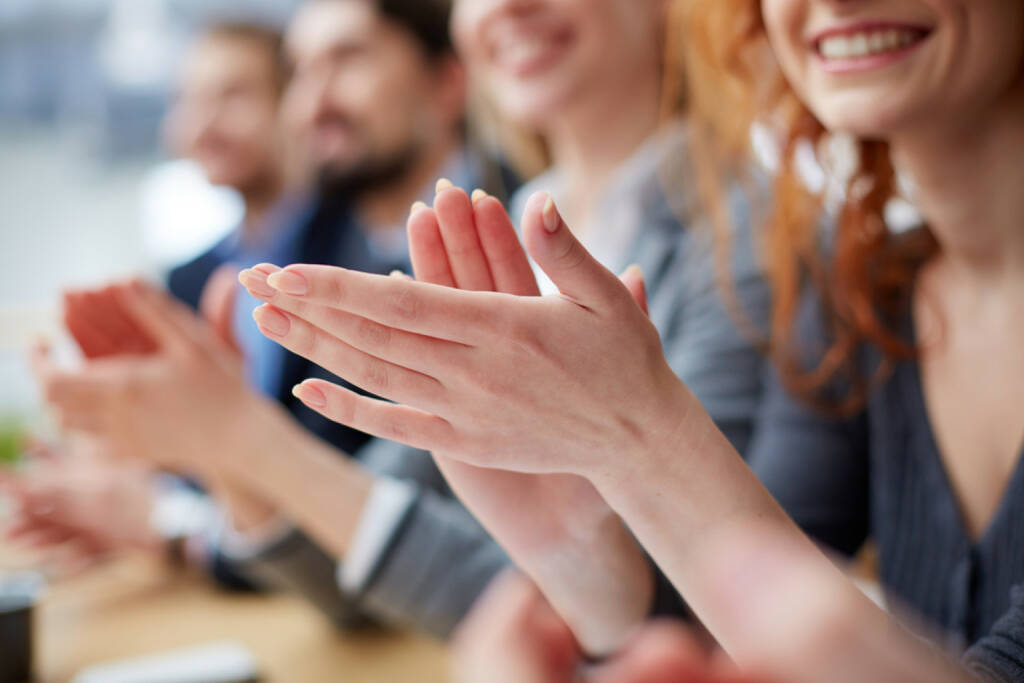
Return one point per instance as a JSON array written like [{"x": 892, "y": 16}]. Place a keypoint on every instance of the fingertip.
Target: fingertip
[
  {"x": 477, "y": 196},
  {"x": 424, "y": 219},
  {"x": 550, "y": 217},
  {"x": 289, "y": 281},
  {"x": 540, "y": 210},
  {"x": 442, "y": 185},
  {"x": 310, "y": 395},
  {"x": 452, "y": 198},
  {"x": 634, "y": 272}
]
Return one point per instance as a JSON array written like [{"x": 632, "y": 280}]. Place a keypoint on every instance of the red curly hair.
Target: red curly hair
[{"x": 720, "y": 50}]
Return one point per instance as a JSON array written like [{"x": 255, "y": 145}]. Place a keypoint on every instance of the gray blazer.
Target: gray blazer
[{"x": 440, "y": 559}]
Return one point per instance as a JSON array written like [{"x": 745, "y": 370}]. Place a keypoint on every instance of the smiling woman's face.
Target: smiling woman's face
[
  {"x": 539, "y": 56},
  {"x": 876, "y": 68}
]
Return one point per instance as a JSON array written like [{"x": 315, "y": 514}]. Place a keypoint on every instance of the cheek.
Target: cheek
[
  {"x": 467, "y": 29},
  {"x": 998, "y": 38},
  {"x": 783, "y": 22}
]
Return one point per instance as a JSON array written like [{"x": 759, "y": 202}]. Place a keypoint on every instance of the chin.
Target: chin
[
  {"x": 875, "y": 118},
  {"x": 533, "y": 112}
]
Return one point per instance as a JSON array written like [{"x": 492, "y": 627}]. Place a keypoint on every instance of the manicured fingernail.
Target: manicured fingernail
[
  {"x": 550, "y": 215},
  {"x": 417, "y": 207},
  {"x": 266, "y": 268},
  {"x": 271, "y": 320},
  {"x": 289, "y": 283},
  {"x": 400, "y": 275},
  {"x": 310, "y": 395},
  {"x": 478, "y": 195},
  {"x": 442, "y": 185},
  {"x": 256, "y": 283},
  {"x": 635, "y": 271}
]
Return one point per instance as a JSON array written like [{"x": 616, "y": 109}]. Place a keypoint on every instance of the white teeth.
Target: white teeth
[
  {"x": 866, "y": 44},
  {"x": 523, "y": 51}
]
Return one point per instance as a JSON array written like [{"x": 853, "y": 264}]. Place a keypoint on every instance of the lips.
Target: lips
[
  {"x": 868, "y": 41},
  {"x": 522, "y": 52}
]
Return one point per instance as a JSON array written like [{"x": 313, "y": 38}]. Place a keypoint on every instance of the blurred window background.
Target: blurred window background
[{"x": 86, "y": 190}]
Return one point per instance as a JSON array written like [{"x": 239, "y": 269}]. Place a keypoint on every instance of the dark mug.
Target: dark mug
[{"x": 18, "y": 596}]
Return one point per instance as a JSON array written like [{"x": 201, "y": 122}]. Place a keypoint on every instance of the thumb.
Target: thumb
[
  {"x": 576, "y": 273},
  {"x": 633, "y": 278}
]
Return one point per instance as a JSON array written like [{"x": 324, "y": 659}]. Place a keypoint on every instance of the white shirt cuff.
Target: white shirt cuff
[
  {"x": 179, "y": 512},
  {"x": 385, "y": 508}
]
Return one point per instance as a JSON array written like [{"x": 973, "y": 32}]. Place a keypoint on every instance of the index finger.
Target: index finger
[{"x": 423, "y": 308}]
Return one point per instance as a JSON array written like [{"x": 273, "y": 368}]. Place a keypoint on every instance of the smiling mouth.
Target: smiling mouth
[
  {"x": 525, "y": 54},
  {"x": 869, "y": 42}
]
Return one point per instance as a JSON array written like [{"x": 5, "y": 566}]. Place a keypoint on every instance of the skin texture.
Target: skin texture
[
  {"x": 414, "y": 329},
  {"x": 473, "y": 246},
  {"x": 778, "y": 595},
  {"x": 515, "y": 635}
]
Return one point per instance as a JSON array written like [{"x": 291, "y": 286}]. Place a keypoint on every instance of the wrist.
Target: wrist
[
  {"x": 244, "y": 509},
  {"x": 303, "y": 479},
  {"x": 672, "y": 423},
  {"x": 590, "y": 567}
]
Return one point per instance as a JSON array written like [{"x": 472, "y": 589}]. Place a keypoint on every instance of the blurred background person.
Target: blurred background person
[
  {"x": 226, "y": 119},
  {"x": 873, "y": 328},
  {"x": 377, "y": 101},
  {"x": 587, "y": 79}
]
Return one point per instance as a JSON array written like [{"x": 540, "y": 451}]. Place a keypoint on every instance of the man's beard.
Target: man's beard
[{"x": 370, "y": 174}]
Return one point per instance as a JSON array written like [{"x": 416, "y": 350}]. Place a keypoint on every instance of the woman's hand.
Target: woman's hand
[
  {"x": 797, "y": 626},
  {"x": 556, "y": 527},
  {"x": 514, "y": 636},
  {"x": 572, "y": 383}
]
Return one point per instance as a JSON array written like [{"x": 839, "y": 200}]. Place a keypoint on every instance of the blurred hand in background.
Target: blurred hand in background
[
  {"x": 164, "y": 406},
  {"x": 75, "y": 507},
  {"x": 799, "y": 628},
  {"x": 514, "y": 636}
]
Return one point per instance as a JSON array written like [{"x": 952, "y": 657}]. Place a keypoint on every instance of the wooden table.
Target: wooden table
[{"x": 137, "y": 606}]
